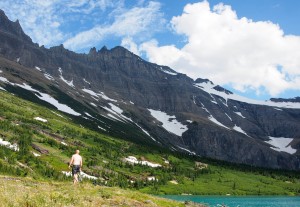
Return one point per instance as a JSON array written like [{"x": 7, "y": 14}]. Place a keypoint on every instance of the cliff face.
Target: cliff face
[{"x": 149, "y": 103}]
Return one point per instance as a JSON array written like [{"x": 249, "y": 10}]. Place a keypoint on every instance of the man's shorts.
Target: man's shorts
[{"x": 75, "y": 169}]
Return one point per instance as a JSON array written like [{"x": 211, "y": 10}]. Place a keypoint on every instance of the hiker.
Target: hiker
[{"x": 76, "y": 163}]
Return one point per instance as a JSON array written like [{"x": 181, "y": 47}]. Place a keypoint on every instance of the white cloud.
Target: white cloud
[
  {"x": 128, "y": 43},
  {"x": 229, "y": 50},
  {"x": 136, "y": 22}
]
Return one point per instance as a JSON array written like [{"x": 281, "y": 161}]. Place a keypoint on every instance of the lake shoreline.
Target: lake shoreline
[{"x": 233, "y": 201}]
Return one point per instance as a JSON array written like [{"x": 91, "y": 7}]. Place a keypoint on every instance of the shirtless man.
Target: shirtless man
[{"x": 76, "y": 163}]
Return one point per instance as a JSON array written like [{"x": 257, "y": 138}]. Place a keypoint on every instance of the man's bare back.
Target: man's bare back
[{"x": 76, "y": 163}]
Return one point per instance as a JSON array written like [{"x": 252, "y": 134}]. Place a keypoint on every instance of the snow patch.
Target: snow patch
[
  {"x": 116, "y": 113},
  {"x": 82, "y": 174},
  {"x": 203, "y": 107},
  {"x": 116, "y": 109},
  {"x": 63, "y": 143},
  {"x": 168, "y": 72},
  {"x": 4, "y": 80},
  {"x": 194, "y": 100},
  {"x": 93, "y": 104},
  {"x": 86, "y": 113},
  {"x": 86, "y": 81},
  {"x": 169, "y": 122},
  {"x": 2, "y": 89},
  {"x": 57, "y": 114},
  {"x": 193, "y": 153},
  {"x": 239, "y": 129},
  {"x": 240, "y": 114},
  {"x": 70, "y": 83},
  {"x": 166, "y": 161},
  {"x": 211, "y": 118},
  {"x": 48, "y": 76},
  {"x": 214, "y": 102},
  {"x": 209, "y": 88},
  {"x": 8, "y": 145},
  {"x": 228, "y": 117},
  {"x": 40, "y": 119},
  {"x": 106, "y": 97},
  {"x": 98, "y": 95},
  {"x": 36, "y": 154},
  {"x": 134, "y": 160},
  {"x": 281, "y": 144},
  {"x": 223, "y": 102},
  {"x": 39, "y": 69},
  {"x": 51, "y": 100},
  {"x": 59, "y": 106},
  {"x": 151, "y": 178},
  {"x": 101, "y": 128},
  {"x": 147, "y": 133},
  {"x": 112, "y": 116},
  {"x": 92, "y": 93}
]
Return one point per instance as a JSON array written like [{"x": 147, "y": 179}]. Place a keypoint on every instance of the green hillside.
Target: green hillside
[{"x": 46, "y": 139}]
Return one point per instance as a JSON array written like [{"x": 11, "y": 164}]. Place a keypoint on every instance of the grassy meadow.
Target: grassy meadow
[{"x": 28, "y": 192}]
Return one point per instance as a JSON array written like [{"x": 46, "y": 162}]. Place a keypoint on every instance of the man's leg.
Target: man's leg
[{"x": 75, "y": 178}]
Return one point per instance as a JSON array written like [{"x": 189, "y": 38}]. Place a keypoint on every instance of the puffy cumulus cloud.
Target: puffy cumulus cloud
[
  {"x": 220, "y": 46},
  {"x": 128, "y": 43},
  {"x": 138, "y": 22},
  {"x": 166, "y": 55},
  {"x": 43, "y": 21}
]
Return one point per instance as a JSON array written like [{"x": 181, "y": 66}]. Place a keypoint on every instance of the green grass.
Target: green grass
[
  {"x": 223, "y": 181},
  {"x": 27, "y": 192}
]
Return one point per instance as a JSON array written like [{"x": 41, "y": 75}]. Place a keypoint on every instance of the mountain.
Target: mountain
[
  {"x": 291, "y": 100},
  {"x": 36, "y": 143},
  {"x": 118, "y": 93}
]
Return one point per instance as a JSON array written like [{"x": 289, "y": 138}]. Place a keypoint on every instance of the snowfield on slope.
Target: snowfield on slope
[
  {"x": 209, "y": 88},
  {"x": 51, "y": 100},
  {"x": 281, "y": 144},
  {"x": 134, "y": 160},
  {"x": 169, "y": 123}
]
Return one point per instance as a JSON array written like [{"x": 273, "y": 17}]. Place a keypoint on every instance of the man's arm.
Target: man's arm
[
  {"x": 71, "y": 162},
  {"x": 80, "y": 163}
]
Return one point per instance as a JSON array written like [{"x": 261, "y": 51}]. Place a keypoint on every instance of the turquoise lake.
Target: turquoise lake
[{"x": 241, "y": 201}]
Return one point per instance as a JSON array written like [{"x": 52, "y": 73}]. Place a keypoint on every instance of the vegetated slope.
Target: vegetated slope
[
  {"x": 38, "y": 142},
  {"x": 37, "y": 194}
]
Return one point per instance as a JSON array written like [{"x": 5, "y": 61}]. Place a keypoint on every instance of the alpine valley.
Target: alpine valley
[
  {"x": 118, "y": 93},
  {"x": 138, "y": 125}
]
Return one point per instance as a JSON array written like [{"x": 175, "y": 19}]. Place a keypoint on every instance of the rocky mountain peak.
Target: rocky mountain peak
[
  {"x": 93, "y": 51},
  {"x": 121, "y": 52},
  {"x": 221, "y": 89},
  {"x": 12, "y": 28},
  {"x": 2, "y": 15},
  {"x": 200, "y": 80},
  {"x": 60, "y": 49},
  {"x": 103, "y": 49},
  {"x": 292, "y": 100}
]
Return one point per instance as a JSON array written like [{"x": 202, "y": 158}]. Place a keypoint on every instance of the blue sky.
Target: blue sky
[{"x": 251, "y": 47}]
